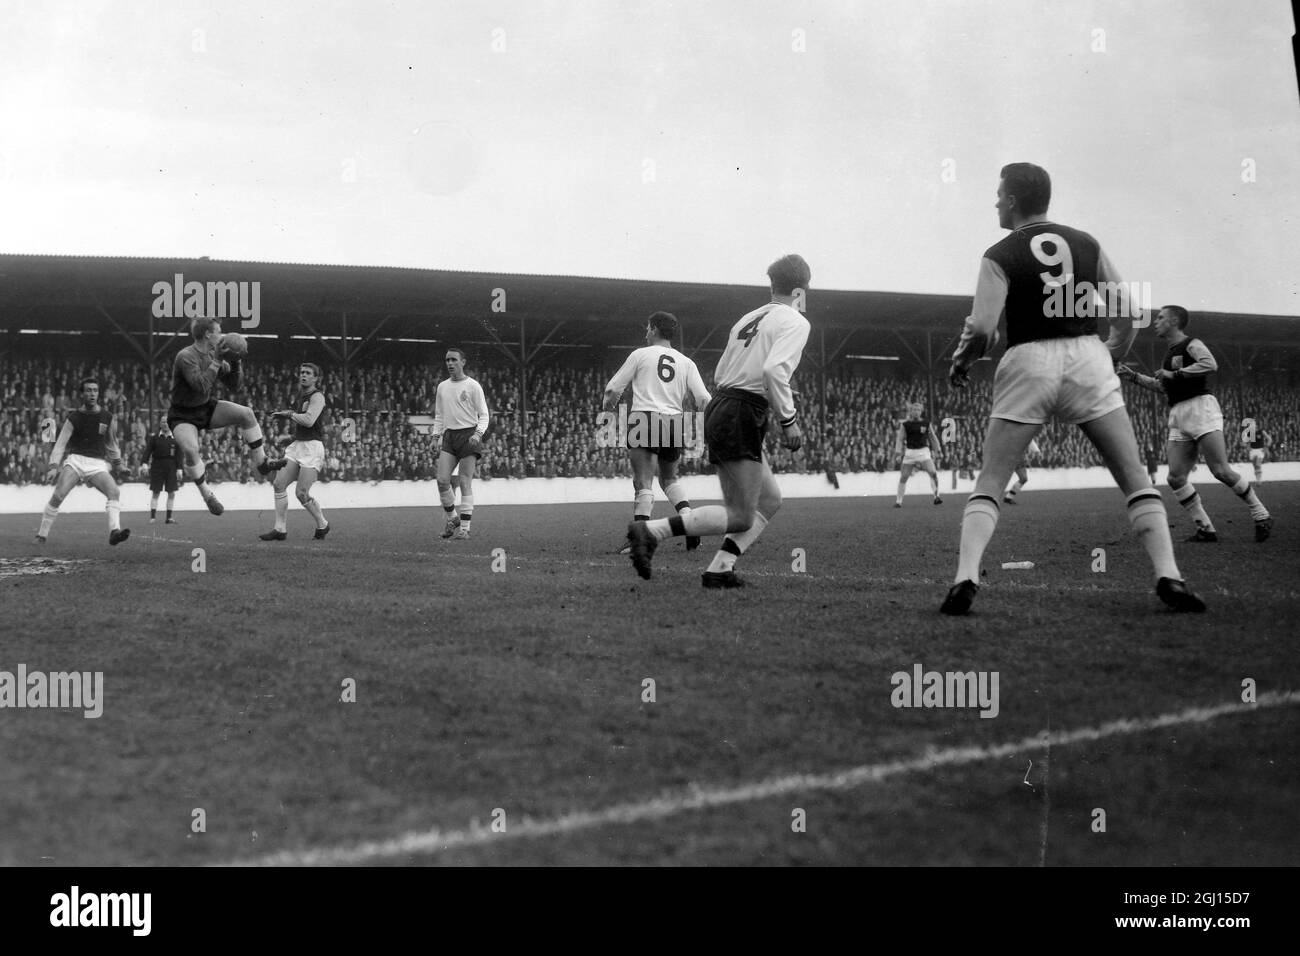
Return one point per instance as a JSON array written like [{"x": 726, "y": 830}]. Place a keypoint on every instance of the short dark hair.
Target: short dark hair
[
  {"x": 88, "y": 380},
  {"x": 1180, "y": 314},
  {"x": 665, "y": 323},
  {"x": 202, "y": 325},
  {"x": 456, "y": 348},
  {"x": 1031, "y": 186},
  {"x": 789, "y": 273},
  {"x": 314, "y": 367}
]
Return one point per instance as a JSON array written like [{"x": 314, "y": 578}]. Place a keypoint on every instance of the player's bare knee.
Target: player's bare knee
[
  {"x": 444, "y": 486},
  {"x": 304, "y": 496},
  {"x": 738, "y": 521},
  {"x": 1176, "y": 481},
  {"x": 1225, "y": 475}
]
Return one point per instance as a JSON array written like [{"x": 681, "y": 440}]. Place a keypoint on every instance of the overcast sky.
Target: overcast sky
[{"x": 680, "y": 141}]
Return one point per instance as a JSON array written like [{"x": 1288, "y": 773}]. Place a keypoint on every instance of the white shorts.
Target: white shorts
[
  {"x": 308, "y": 454},
  {"x": 1257, "y": 456},
  {"x": 1194, "y": 418},
  {"x": 1071, "y": 379},
  {"x": 86, "y": 467},
  {"x": 917, "y": 457}
]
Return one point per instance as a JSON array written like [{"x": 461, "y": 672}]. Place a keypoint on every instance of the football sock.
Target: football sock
[
  {"x": 711, "y": 519},
  {"x": 1011, "y": 492},
  {"x": 677, "y": 498},
  {"x": 736, "y": 544},
  {"x": 934, "y": 484},
  {"x": 466, "y": 510},
  {"x": 725, "y": 559},
  {"x": 977, "y": 524},
  {"x": 1015, "y": 487},
  {"x": 253, "y": 439},
  {"x": 898, "y": 500},
  {"x": 114, "y": 509},
  {"x": 1247, "y": 494},
  {"x": 1191, "y": 502},
  {"x": 282, "y": 510},
  {"x": 153, "y": 510},
  {"x": 169, "y": 514},
  {"x": 1146, "y": 513},
  {"x": 47, "y": 520},
  {"x": 448, "y": 498},
  {"x": 645, "y": 504},
  {"x": 314, "y": 509}
]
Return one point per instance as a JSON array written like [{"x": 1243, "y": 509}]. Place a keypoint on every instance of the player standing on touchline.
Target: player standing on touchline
[
  {"x": 912, "y": 445},
  {"x": 1056, "y": 366},
  {"x": 460, "y": 419},
  {"x": 90, "y": 440},
  {"x": 660, "y": 377},
  {"x": 1195, "y": 423},
  {"x": 753, "y": 375}
]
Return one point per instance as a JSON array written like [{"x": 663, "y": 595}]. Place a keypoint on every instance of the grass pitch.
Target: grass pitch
[{"x": 518, "y": 696}]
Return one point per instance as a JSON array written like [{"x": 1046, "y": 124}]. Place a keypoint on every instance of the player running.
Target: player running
[
  {"x": 460, "y": 418},
  {"x": 164, "y": 470},
  {"x": 660, "y": 377},
  {"x": 90, "y": 441},
  {"x": 195, "y": 373},
  {"x": 1055, "y": 366},
  {"x": 1022, "y": 473},
  {"x": 753, "y": 375},
  {"x": 916, "y": 435},
  {"x": 305, "y": 457},
  {"x": 1186, "y": 376}
]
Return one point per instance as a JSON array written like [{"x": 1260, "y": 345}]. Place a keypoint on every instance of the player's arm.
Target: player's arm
[
  {"x": 484, "y": 415},
  {"x": 1122, "y": 328},
  {"x": 1204, "y": 364},
  {"x": 147, "y": 453},
  {"x": 315, "y": 405},
  {"x": 980, "y": 333},
  {"x": 778, "y": 369},
  {"x": 935, "y": 446},
  {"x": 1130, "y": 374},
  {"x": 898, "y": 440},
  {"x": 695, "y": 384},
  {"x": 438, "y": 424},
  {"x": 619, "y": 383},
  {"x": 114, "y": 450},
  {"x": 231, "y": 373},
  {"x": 60, "y": 446}
]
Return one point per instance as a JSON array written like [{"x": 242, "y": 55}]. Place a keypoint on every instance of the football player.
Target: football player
[
  {"x": 460, "y": 418},
  {"x": 89, "y": 438},
  {"x": 660, "y": 377},
  {"x": 753, "y": 378},
  {"x": 305, "y": 457},
  {"x": 195, "y": 373},
  {"x": 917, "y": 437},
  {"x": 1258, "y": 441},
  {"x": 1055, "y": 365},
  {"x": 1186, "y": 376}
]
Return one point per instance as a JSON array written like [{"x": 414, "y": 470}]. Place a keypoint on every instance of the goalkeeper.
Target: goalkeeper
[
  {"x": 1048, "y": 279},
  {"x": 460, "y": 418}
]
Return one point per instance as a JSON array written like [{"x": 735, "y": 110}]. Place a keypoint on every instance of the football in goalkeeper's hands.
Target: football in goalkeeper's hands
[
  {"x": 232, "y": 343},
  {"x": 476, "y": 444}
]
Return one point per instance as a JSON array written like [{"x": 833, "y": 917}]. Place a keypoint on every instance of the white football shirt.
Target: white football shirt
[
  {"x": 660, "y": 377},
  {"x": 460, "y": 405},
  {"x": 763, "y": 350}
]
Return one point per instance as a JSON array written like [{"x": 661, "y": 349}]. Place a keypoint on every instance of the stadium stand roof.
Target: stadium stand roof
[{"x": 91, "y": 293}]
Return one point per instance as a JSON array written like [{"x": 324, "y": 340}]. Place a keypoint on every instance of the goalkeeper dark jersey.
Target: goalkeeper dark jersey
[{"x": 195, "y": 374}]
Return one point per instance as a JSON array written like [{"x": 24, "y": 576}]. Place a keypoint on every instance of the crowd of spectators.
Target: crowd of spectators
[{"x": 371, "y": 437}]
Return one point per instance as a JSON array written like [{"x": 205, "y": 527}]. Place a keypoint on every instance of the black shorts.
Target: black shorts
[
  {"x": 655, "y": 432},
  {"x": 455, "y": 441},
  {"x": 200, "y": 416},
  {"x": 162, "y": 476},
  {"x": 735, "y": 423}
]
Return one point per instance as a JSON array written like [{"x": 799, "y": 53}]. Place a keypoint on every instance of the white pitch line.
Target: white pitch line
[{"x": 703, "y": 798}]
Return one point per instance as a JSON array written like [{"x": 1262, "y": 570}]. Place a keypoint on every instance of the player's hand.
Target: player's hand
[
  {"x": 224, "y": 366},
  {"x": 792, "y": 436},
  {"x": 282, "y": 414},
  {"x": 437, "y": 439},
  {"x": 1164, "y": 375},
  {"x": 1125, "y": 372},
  {"x": 51, "y": 473},
  {"x": 476, "y": 444},
  {"x": 958, "y": 377}
]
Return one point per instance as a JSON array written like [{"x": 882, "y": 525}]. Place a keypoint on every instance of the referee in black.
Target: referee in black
[{"x": 164, "y": 469}]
